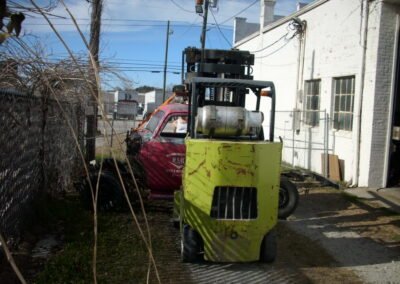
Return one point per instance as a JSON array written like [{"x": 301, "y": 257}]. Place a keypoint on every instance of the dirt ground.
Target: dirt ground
[{"x": 332, "y": 238}]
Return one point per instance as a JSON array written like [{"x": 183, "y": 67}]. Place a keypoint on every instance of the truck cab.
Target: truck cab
[{"x": 159, "y": 149}]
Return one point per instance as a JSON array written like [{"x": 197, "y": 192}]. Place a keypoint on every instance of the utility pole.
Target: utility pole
[
  {"x": 166, "y": 62},
  {"x": 203, "y": 34},
  {"x": 94, "y": 44}
]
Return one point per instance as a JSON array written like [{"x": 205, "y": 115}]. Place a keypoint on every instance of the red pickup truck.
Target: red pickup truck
[{"x": 160, "y": 150}]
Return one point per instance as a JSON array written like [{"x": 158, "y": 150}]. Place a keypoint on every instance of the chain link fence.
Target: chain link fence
[
  {"x": 306, "y": 138},
  {"x": 38, "y": 154},
  {"x": 119, "y": 119}
]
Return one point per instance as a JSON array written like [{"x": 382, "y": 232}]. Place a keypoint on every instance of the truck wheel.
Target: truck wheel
[
  {"x": 190, "y": 245},
  {"x": 288, "y": 198},
  {"x": 110, "y": 196},
  {"x": 268, "y": 249}
]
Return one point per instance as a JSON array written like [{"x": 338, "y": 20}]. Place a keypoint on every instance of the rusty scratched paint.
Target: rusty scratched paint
[
  {"x": 224, "y": 147},
  {"x": 197, "y": 168},
  {"x": 241, "y": 171},
  {"x": 244, "y": 171},
  {"x": 208, "y": 172}
]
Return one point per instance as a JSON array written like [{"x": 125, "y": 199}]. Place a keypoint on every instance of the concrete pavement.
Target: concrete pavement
[{"x": 387, "y": 197}]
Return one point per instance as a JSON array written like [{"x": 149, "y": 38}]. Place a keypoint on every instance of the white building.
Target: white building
[
  {"x": 334, "y": 66},
  {"x": 125, "y": 95},
  {"x": 153, "y": 99}
]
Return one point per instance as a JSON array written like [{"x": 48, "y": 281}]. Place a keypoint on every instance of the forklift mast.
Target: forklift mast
[
  {"x": 222, "y": 80},
  {"x": 223, "y": 64}
]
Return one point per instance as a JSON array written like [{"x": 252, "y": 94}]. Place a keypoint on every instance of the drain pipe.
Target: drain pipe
[{"x": 363, "y": 43}]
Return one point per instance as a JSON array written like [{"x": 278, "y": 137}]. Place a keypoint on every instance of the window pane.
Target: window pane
[
  {"x": 337, "y": 103},
  {"x": 341, "y": 121},
  {"x": 342, "y": 103},
  {"x": 348, "y": 86},
  {"x": 346, "y": 121},
  {"x": 337, "y": 86},
  {"x": 314, "y": 105},
  {"x": 309, "y": 91},
  {"x": 153, "y": 122},
  {"x": 314, "y": 89},
  {"x": 348, "y": 102},
  {"x": 307, "y": 117},
  {"x": 343, "y": 86},
  {"x": 175, "y": 124},
  {"x": 335, "y": 121}
]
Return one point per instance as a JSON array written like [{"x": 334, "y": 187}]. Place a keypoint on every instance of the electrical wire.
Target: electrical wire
[
  {"x": 180, "y": 7},
  {"x": 188, "y": 29},
  {"x": 294, "y": 26},
  {"x": 219, "y": 29},
  {"x": 268, "y": 46},
  {"x": 128, "y": 25},
  {"x": 264, "y": 56},
  {"x": 238, "y": 13}
]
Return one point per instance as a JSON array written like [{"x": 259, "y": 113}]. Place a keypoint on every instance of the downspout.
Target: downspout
[
  {"x": 299, "y": 84},
  {"x": 364, "y": 40}
]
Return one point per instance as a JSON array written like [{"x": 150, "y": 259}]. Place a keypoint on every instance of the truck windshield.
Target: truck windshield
[{"x": 154, "y": 121}]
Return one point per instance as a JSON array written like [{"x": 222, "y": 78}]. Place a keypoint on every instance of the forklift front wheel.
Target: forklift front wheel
[
  {"x": 269, "y": 247},
  {"x": 190, "y": 245}
]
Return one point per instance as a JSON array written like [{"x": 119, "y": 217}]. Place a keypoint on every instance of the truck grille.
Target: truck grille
[{"x": 234, "y": 203}]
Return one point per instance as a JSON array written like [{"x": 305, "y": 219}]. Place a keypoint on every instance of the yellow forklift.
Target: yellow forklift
[{"x": 228, "y": 204}]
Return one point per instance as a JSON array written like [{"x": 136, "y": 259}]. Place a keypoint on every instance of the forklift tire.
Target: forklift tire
[
  {"x": 288, "y": 198},
  {"x": 190, "y": 245},
  {"x": 110, "y": 196},
  {"x": 269, "y": 245}
]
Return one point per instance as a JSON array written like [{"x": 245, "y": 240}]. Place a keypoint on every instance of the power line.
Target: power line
[
  {"x": 61, "y": 55},
  {"x": 126, "y": 25},
  {"x": 183, "y": 23},
  {"x": 189, "y": 28},
  {"x": 114, "y": 20},
  {"x": 216, "y": 23},
  {"x": 180, "y": 7},
  {"x": 238, "y": 13}
]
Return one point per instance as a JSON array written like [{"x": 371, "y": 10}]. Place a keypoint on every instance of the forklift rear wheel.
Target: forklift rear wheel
[
  {"x": 288, "y": 198},
  {"x": 190, "y": 245},
  {"x": 269, "y": 247}
]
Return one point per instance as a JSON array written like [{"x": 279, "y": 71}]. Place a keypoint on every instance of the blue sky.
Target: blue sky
[{"x": 134, "y": 33}]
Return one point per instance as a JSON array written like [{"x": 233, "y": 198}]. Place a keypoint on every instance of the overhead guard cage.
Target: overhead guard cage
[{"x": 198, "y": 83}]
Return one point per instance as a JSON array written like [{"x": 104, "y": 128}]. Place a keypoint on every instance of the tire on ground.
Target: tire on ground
[
  {"x": 268, "y": 250},
  {"x": 288, "y": 198},
  {"x": 191, "y": 244}
]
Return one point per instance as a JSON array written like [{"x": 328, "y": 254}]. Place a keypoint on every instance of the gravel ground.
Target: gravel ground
[
  {"x": 358, "y": 235},
  {"x": 328, "y": 240}
]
